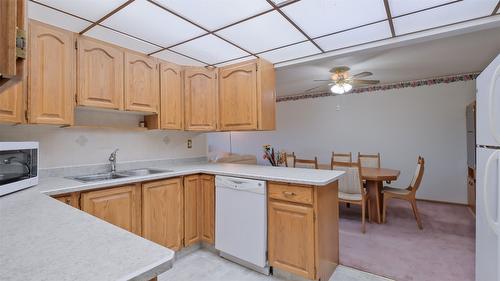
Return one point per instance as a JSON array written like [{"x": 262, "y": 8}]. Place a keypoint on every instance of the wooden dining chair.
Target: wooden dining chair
[
  {"x": 408, "y": 194},
  {"x": 306, "y": 163},
  {"x": 341, "y": 159},
  {"x": 290, "y": 160},
  {"x": 351, "y": 189},
  {"x": 369, "y": 160}
]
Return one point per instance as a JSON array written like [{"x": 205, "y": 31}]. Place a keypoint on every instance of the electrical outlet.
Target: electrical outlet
[{"x": 190, "y": 143}]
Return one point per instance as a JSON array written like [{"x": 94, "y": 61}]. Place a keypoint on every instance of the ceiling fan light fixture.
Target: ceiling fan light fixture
[{"x": 341, "y": 88}]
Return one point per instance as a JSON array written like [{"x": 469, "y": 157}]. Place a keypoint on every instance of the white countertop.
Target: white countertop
[{"x": 44, "y": 239}]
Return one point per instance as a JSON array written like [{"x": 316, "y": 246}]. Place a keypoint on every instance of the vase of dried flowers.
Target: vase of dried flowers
[{"x": 274, "y": 156}]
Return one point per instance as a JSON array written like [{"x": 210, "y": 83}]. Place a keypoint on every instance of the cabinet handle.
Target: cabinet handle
[
  {"x": 289, "y": 193},
  {"x": 68, "y": 201}
]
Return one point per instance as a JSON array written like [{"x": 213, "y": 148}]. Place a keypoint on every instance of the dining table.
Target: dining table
[{"x": 375, "y": 178}]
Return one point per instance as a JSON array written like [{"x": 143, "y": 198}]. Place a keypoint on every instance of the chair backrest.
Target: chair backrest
[
  {"x": 419, "y": 174},
  {"x": 290, "y": 160},
  {"x": 341, "y": 159},
  {"x": 306, "y": 163},
  {"x": 369, "y": 160},
  {"x": 351, "y": 182}
]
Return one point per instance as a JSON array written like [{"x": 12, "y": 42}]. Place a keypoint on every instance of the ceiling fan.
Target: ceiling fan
[{"x": 341, "y": 81}]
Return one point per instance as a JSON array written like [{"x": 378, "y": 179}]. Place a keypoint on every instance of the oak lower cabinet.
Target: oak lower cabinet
[
  {"x": 71, "y": 199},
  {"x": 12, "y": 104},
  {"x": 200, "y": 98},
  {"x": 162, "y": 212},
  {"x": 247, "y": 96},
  {"x": 51, "y": 77},
  {"x": 192, "y": 210},
  {"x": 303, "y": 229},
  {"x": 99, "y": 74},
  {"x": 120, "y": 206},
  {"x": 141, "y": 83},
  {"x": 171, "y": 97},
  {"x": 207, "y": 183}
]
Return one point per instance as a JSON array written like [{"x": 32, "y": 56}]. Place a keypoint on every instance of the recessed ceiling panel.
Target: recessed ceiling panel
[
  {"x": 150, "y": 22},
  {"x": 176, "y": 58},
  {"x": 52, "y": 17},
  {"x": 87, "y": 9},
  {"x": 263, "y": 33},
  {"x": 356, "y": 36},
  {"x": 235, "y": 61},
  {"x": 399, "y": 7},
  {"x": 321, "y": 17},
  {"x": 210, "y": 49},
  {"x": 119, "y": 39},
  {"x": 291, "y": 52},
  {"x": 453, "y": 13},
  {"x": 214, "y": 14}
]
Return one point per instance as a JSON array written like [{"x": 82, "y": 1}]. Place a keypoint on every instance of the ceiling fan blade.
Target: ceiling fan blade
[
  {"x": 365, "y": 82},
  {"x": 319, "y": 80},
  {"x": 326, "y": 86},
  {"x": 362, "y": 74}
]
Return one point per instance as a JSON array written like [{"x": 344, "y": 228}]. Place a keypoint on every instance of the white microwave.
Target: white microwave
[{"x": 18, "y": 166}]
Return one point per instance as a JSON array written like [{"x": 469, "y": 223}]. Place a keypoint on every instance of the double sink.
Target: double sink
[{"x": 118, "y": 175}]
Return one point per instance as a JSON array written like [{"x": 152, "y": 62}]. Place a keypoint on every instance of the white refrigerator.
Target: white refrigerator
[{"x": 488, "y": 173}]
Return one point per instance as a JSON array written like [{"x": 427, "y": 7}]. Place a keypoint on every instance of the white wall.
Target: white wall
[
  {"x": 80, "y": 146},
  {"x": 400, "y": 124}
]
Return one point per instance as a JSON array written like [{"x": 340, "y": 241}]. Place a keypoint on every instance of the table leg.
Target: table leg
[{"x": 374, "y": 189}]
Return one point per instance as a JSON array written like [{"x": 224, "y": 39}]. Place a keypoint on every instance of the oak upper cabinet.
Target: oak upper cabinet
[
  {"x": 51, "y": 78},
  {"x": 200, "y": 97},
  {"x": 141, "y": 83},
  {"x": 192, "y": 210},
  {"x": 12, "y": 104},
  {"x": 247, "y": 97},
  {"x": 162, "y": 212},
  {"x": 207, "y": 208},
  {"x": 120, "y": 206},
  {"x": 171, "y": 96},
  {"x": 99, "y": 74}
]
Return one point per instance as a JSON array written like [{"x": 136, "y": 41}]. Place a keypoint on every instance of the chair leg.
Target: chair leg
[
  {"x": 384, "y": 208},
  {"x": 363, "y": 210},
  {"x": 369, "y": 210},
  {"x": 415, "y": 213}
]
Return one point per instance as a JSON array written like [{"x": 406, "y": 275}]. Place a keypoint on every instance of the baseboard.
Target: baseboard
[{"x": 443, "y": 202}]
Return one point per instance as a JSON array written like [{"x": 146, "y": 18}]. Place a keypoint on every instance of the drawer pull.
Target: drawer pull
[
  {"x": 289, "y": 193},
  {"x": 68, "y": 201}
]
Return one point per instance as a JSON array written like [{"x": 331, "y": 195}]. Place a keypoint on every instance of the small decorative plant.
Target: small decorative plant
[{"x": 275, "y": 157}]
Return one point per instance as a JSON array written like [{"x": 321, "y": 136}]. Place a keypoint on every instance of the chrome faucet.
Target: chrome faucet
[{"x": 112, "y": 159}]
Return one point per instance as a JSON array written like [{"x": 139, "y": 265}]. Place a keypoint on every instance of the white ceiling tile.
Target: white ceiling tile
[
  {"x": 176, "y": 58},
  {"x": 87, "y": 9},
  {"x": 400, "y": 7},
  {"x": 262, "y": 33},
  {"x": 356, "y": 36},
  {"x": 216, "y": 13},
  {"x": 52, "y": 17},
  {"x": 250, "y": 57},
  {"x": 147, "y": 21},
  {"x": 210, "y": 49},
  {"x": 119, "y": 39},
  {"x": 321, "y": 17},
  {"x": 456, "y": 12},
  {"x": 291, "y": 52}
]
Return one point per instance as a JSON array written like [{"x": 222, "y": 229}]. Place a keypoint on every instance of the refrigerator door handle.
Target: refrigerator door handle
[
  {"x": 491, "y": 112},
  {"x": 494, "y": 225}
]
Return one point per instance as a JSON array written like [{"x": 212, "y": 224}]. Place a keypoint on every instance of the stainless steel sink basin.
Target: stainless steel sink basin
[
  {"x": 99, "y": 177},
  {"x": 143, "y": 172}
]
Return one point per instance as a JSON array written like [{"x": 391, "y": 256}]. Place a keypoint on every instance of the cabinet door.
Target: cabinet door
[
  {"x": 100, "y": 74},
  {"x": 171, "y": 99},
  {"x": 291, "y": 238},
  {"x": 69, "y": 199},
  {"x": 200, "y": 89},
  {"x": 238, "y": 97},
  {"x": 192, "y": 210},
  {"x": 162, "y": 216},
  {"x": 51, "y": 91},
  {"x": 141, "y": 83},
  {"x": 208, "y": 208},
  {"x": 11, "y": 104},
  {"x": 120, "y": 206}
]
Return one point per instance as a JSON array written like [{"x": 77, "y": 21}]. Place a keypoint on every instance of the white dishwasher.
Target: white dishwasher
[{"x": 241, "y": 221}]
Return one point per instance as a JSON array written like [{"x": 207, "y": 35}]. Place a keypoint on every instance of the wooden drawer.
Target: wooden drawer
[{"x": 291, "y": 193}]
